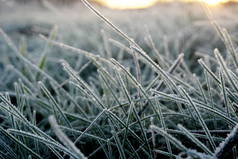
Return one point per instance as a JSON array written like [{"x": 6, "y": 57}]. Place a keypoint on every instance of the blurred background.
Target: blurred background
[{"x": 184, "y": 26}]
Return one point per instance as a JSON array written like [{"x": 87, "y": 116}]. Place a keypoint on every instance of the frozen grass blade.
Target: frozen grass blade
[
  {"x": 127, "y": 123},
  {"x": 8, "y": 149},
  {"x": 136, "y": 83},
  {"x": 117, "y": 140},
  {"x": 14, "y": 111},
  {"x": 43, "y": 58},
  {"x": 195, "y": 140},
  {"x": 162, "y": 122},
  {"x": 133, "y": 44},
  {"x": 102, "y": 73},
  {"x": 125, "y": 48},
  {"x": 33, "y": 66},
  {"x": 124, "y": 125},
  {"x": 165, "y": 153},
  {"x": 137, "y": 68},
  {"x": 80, "y": 71},
  {"x": 77, "y": 51},
  {"x": 23, "y": 77},
  {"x": 142, "y": 129},
  {"x": 94, "y": 10},
  {"x": 15, "y": 140},
  {"x": 224, "y": 35},
  {"x": 64, "y": 139},
  {"x": 200, "y": 61},
  {"x": 74, "y": 76},
  {"x": 224, "y": 92},
  {"x": 160, "y": 58},
  {"x": 173, "y": 140},
  {"x": 202, "y": 122},
  {"x": 86, "y": 134},
  {"x": 200, "y": 88},
  {"x": 123, "y": 85},
  {"x": 199, "y": 104},
  {"x": 209, "y": 88},
  {"x": 47, "y": 142},
  {"x": 171, "y": 69},
  {"x": 90, "y": 126},
  {"x": 226, "y": 146},
  {"x": 226, "y": 70},
  {"x": 56, "y": 107}
]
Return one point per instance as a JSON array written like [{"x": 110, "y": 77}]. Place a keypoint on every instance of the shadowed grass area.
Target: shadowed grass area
[{"x": 156, "y": 83}]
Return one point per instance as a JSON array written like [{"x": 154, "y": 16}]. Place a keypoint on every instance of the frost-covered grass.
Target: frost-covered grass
[{"x": 86, "y": 89}]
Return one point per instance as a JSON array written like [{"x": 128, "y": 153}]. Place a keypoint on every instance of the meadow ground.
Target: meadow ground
[{"x": 72, "y": 86}]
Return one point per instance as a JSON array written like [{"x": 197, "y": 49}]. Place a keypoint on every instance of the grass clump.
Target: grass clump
[{"x": 118, "y": 106}]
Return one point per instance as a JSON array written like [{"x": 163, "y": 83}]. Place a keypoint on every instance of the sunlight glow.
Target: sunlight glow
[
  {"x": 139, "y": 4},
  {"x": 214, "y": 2},
  {"x": 127, "y": 4}
]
